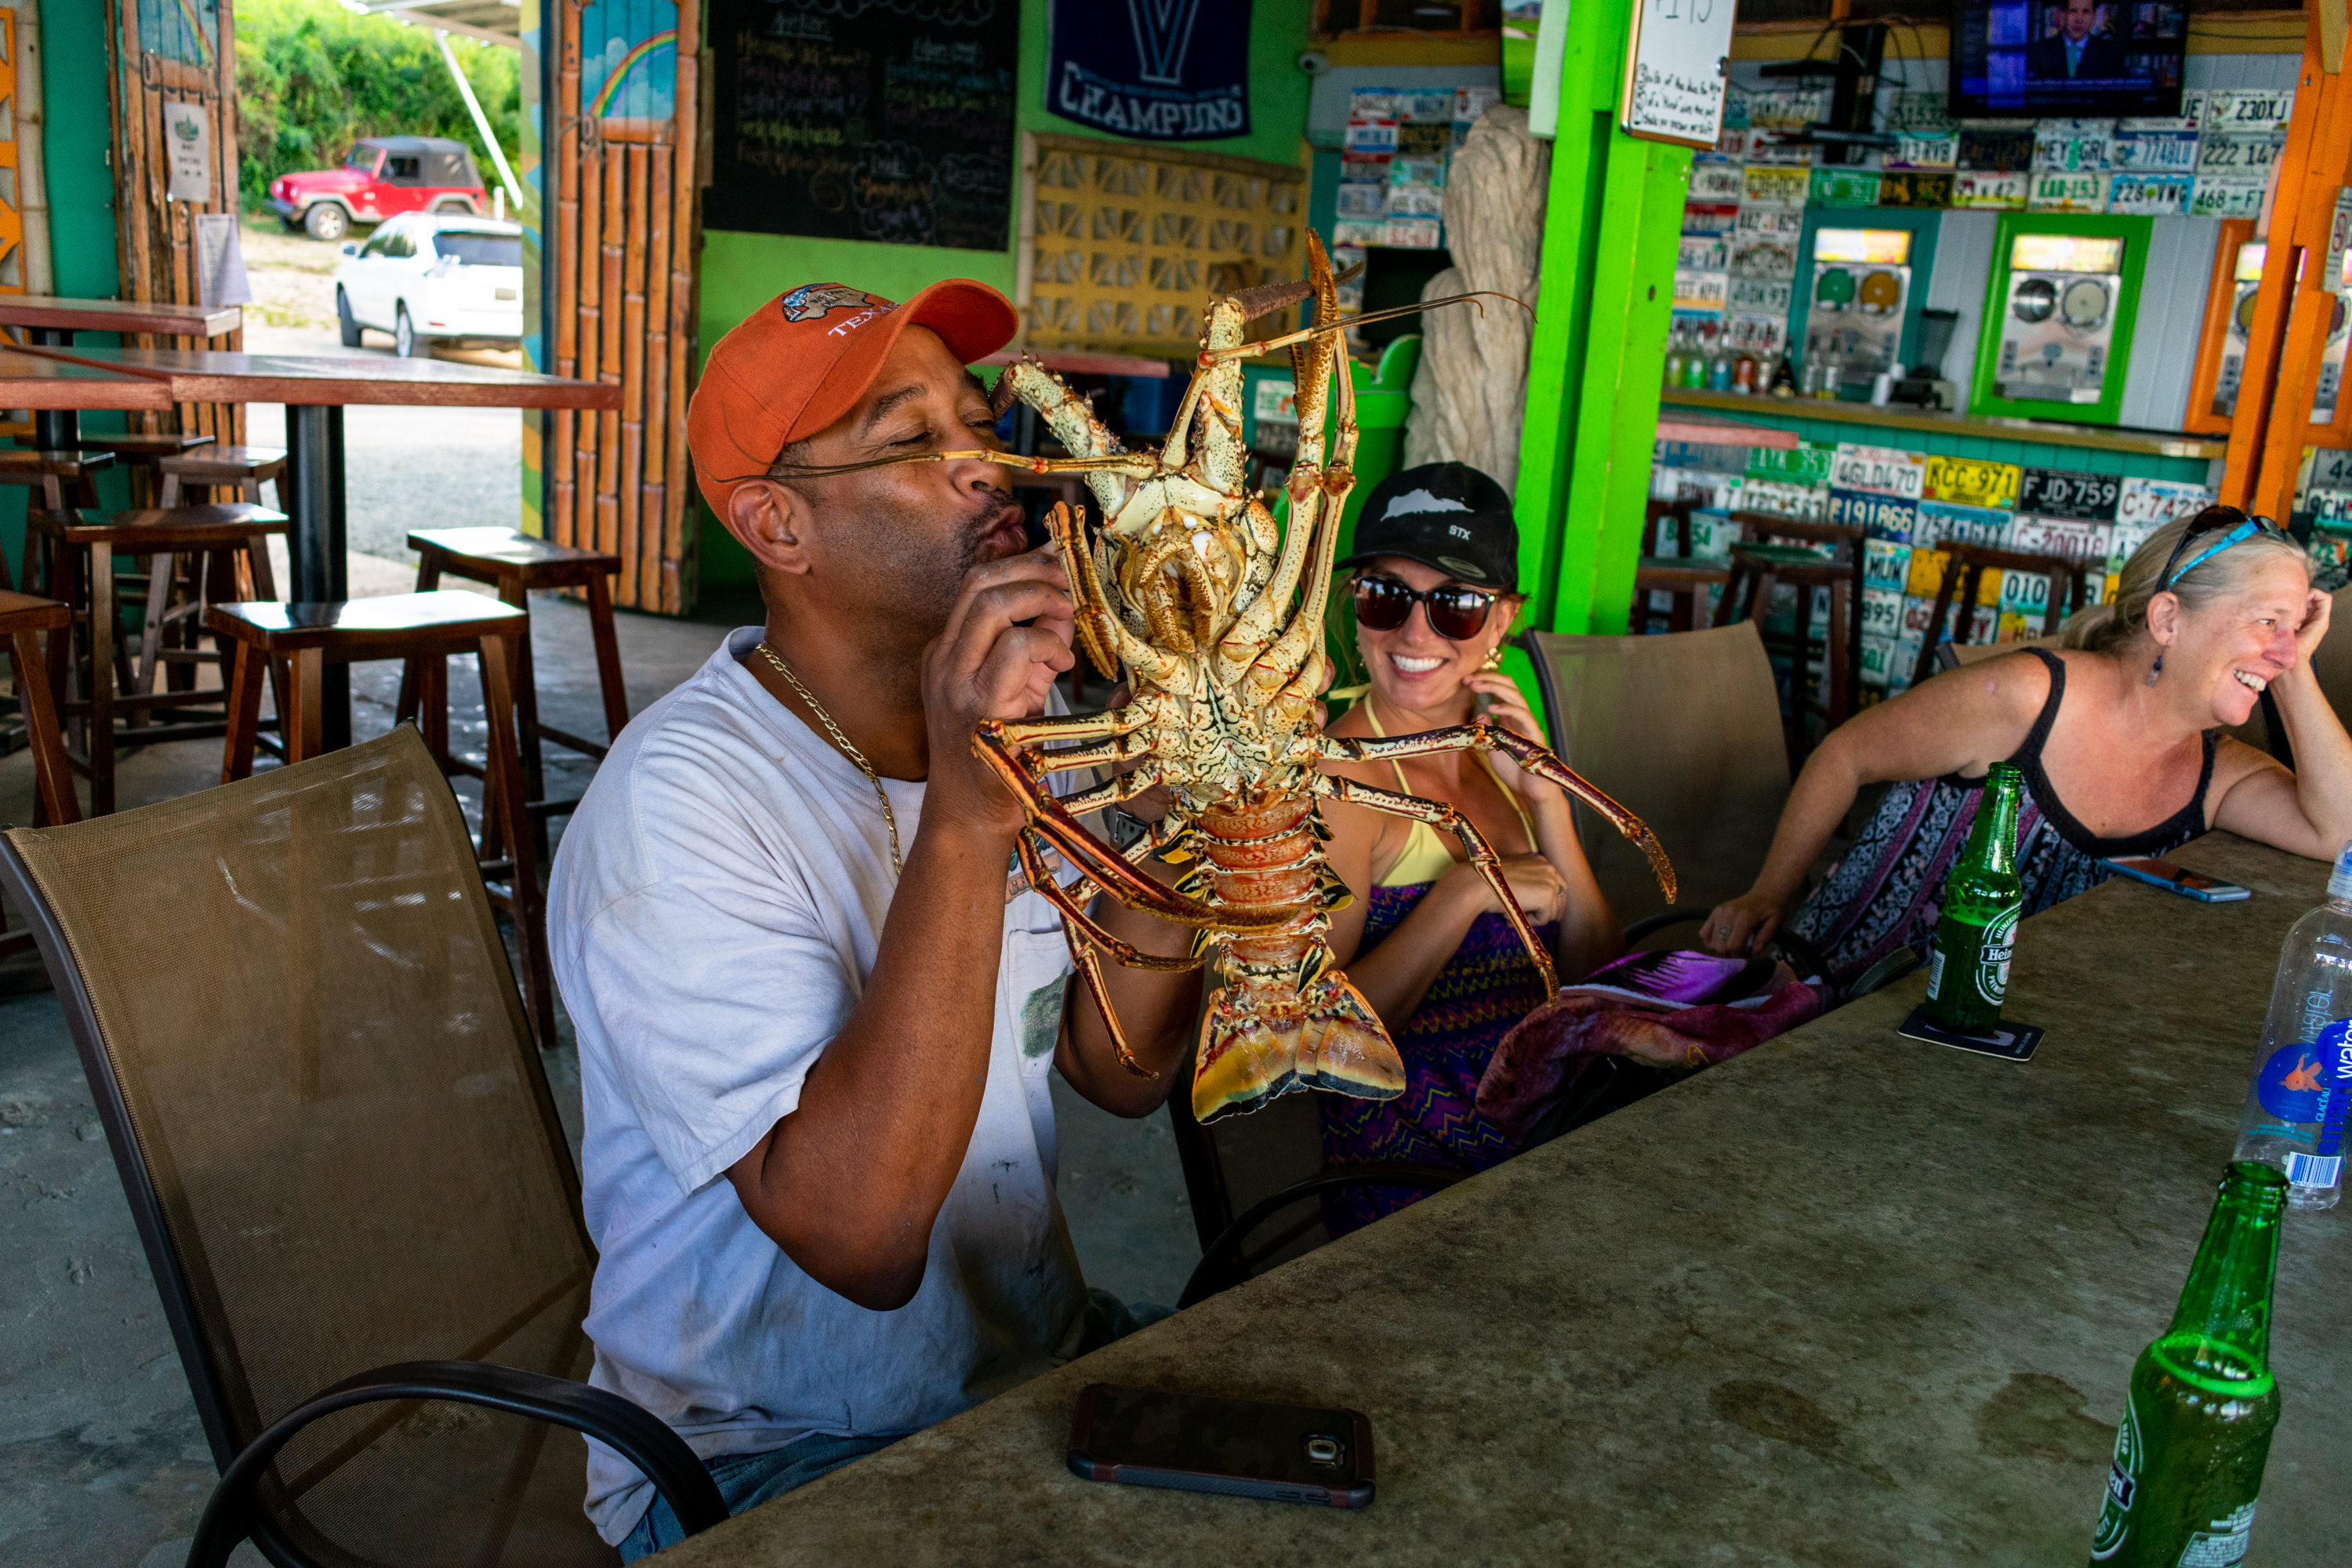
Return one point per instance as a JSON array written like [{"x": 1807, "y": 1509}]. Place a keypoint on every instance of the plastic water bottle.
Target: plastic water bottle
[{"x": 2296, "y": 1105}]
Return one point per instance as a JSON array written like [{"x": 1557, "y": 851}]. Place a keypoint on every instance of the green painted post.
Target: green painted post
[{"x": 1612, "y": 218}]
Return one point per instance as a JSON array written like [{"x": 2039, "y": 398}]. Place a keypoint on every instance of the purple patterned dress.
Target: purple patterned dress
[
  {"x": 1889, "y": 890},
  {"x": 1489, "y": 984}
]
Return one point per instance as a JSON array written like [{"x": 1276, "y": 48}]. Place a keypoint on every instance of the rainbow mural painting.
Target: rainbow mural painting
[{"x": 624, "y": 72}]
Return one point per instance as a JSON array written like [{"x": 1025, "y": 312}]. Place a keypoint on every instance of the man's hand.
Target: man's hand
[{"x": 987, "y": 664}]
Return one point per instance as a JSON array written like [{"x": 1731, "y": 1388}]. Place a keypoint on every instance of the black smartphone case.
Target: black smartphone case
[{"x": 1352, "y": 1490}]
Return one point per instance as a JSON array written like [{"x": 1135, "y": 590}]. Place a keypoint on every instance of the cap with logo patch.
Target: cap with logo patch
[
  {"x": 1449, "y": 517},
  {"x": 803, "y": 359}
]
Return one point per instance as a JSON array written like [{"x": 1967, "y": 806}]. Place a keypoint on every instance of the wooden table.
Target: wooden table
[
  {"x": 45, "y": 313},
  {"x": 1846, "y": 1299},
  {"x": 315, "y": 389},
  {"x": 52, "y": 322}
]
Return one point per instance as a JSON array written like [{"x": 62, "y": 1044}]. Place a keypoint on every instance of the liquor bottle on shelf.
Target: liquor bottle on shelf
[
  {"x": 2202, "y": 1404},
  {"x": 1675, "y": 349},
  {"x": 2302, "y": 1089},
  {"x": 1784, "y": 378}
]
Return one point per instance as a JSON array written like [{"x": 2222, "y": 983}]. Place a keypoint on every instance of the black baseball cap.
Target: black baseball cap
[{"x": 1448, "y": 517}]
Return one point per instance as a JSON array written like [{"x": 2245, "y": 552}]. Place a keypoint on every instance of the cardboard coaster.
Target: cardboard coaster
[{"x": 2011, "y": 1042}]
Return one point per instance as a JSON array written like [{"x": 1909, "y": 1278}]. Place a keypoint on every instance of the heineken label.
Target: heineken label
[
  {"x": 1992, "y": 958},
  {"x": 2122, "y": 1483},
  {"x": 2222, "y": 1544}
]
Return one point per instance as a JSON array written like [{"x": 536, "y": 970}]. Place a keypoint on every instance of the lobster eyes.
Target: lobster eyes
[{"x": 1456, "y": 613}]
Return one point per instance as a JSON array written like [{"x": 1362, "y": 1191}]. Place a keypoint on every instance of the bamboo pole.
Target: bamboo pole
[
  {"x": 653, "y": 528},
  {"x": 561, "y": 174},
  {"x": 631, "y": 495},
  {"x": 590, "y": 341},
  {"x": 2311, "y": 307},
  {"x": 230, "y": 422},
  {"x": 685, "y": 240},
  {"x": 608, "y": 354}
]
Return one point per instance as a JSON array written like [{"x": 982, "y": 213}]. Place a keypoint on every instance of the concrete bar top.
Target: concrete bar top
[{"x": 1844, "y": 1299}]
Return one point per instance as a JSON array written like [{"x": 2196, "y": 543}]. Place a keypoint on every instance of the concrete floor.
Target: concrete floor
[{"x": 102, "y": 1463}]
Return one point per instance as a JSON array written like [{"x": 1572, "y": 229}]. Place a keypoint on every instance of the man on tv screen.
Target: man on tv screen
[{"x": 2074, "y": 53}]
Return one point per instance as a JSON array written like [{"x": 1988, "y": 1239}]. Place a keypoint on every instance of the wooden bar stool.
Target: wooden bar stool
[
  {"x": 1687, "y": 580},
  {"x": 62, "y": 482},
  {"x": 1964, "y": 569},
  {"x": 1844, "y": 542},
  {"x": 516, "y": 564},
  {"x": 1755, "y": 569},
  {"x": 23, "y": 619},
  {"x": 139, "y": 456},
  {"x": 425, "y": 629},
  {"x": 244, "y": 469},
  {"x": 105, "y": 683}
]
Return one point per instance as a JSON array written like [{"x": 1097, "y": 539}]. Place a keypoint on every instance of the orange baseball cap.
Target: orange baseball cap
[{"x": 803, "y": 359}]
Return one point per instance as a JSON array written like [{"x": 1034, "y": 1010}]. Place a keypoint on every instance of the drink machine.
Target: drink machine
[
  {"x": 1855, "y": 308},
  {"x": 2229, "y": 326},
  {"x": 2059, "y": 316}
]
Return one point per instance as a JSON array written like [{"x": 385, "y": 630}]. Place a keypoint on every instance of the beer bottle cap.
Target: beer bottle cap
[{"x": 2339, "y": 882}]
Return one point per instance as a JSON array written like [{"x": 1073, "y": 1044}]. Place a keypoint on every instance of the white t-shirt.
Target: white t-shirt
[{"x": 715, "y": 911}]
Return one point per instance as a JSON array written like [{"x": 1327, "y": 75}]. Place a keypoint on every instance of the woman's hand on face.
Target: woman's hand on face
[
  {"x": 1741, "y": 925},
  {"x": 1508, "y": 710},
  {"x": 2316, "y": 609},
  {"x": 1533, "y": 882}
]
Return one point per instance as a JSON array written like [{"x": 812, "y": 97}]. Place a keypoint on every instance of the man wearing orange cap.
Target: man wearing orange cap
[{"x": 814, "y": 1032}]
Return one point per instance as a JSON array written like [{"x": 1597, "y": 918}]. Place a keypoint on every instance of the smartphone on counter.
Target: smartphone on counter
[
  {"x": 2178, "y": 880},
  {"x": 1240, "y": 1447}
]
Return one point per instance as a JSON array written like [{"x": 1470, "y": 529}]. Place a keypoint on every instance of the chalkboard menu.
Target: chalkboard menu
[{"x": 888, "y": 120}]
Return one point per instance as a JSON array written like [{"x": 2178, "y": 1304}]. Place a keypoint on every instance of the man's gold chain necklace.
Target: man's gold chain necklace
[{"x": 847, "y": 750}]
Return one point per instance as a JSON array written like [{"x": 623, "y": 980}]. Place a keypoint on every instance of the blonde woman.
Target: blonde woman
[{"x": 2114, "y": 734}]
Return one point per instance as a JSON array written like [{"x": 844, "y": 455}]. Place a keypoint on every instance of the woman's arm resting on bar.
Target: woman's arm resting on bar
[{"x": 1962, "y": 721}]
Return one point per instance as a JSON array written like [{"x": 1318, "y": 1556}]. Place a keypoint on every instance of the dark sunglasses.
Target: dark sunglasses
[
  {"x": 2234, "y": 527},
  {"x": 1456, "y": 612}
]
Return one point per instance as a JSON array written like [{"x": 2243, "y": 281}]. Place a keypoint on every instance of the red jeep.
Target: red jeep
[{"x": 383, "y": 176}]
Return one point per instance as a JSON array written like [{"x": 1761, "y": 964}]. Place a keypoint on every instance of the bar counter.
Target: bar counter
[{"x": 1846, "y": 1299}]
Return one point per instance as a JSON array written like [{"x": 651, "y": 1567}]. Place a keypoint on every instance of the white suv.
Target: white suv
[{"x": 426, "y": 278}]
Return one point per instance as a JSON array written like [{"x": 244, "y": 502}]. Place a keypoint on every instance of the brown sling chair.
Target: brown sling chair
[{"x": 346, "y": 1169}]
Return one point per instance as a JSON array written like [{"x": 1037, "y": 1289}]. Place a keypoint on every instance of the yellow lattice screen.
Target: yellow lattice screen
[{"x": 1125, "y": 243}]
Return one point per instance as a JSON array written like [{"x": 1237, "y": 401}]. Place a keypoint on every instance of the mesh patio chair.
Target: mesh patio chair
[{"x": 344, "y": 1163}]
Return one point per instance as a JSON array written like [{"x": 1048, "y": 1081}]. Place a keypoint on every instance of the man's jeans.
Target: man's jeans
[{"x": 746, "y": 1480}]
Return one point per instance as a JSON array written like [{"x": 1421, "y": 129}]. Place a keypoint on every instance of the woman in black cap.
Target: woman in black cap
[{"x": 1434, "y": 594}]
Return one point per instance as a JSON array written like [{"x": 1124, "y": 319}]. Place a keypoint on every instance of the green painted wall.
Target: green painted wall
[
  {"x": 740, "y": 272},
  {"x": 75, "y": 136}
]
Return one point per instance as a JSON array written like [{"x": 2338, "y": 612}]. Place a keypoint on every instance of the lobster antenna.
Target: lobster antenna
[{"x": 1242, "y": 350}]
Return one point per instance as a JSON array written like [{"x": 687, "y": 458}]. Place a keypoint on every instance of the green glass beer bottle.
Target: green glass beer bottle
[
  {"x": 2197, "y": 1424},
  {"x": 1968, "y": 974}
]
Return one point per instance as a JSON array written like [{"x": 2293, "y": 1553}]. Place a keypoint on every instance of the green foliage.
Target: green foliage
[{"x": 312, "y": 76}]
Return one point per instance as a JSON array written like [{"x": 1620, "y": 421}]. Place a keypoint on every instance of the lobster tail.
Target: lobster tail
[{"x": 1259, "y": 1041}]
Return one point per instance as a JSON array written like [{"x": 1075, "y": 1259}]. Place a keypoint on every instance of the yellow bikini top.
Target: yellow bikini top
[{"x": 1425, "y": 858}]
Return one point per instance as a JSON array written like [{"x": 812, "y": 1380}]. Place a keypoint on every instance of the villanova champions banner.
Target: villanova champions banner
[{"x": 1157, "y": 70}]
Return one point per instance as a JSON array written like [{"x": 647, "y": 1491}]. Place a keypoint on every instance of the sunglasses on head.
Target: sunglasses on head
[
  {"x": 1456, "y": 613},
  {"x": 2234, "y": 528}
]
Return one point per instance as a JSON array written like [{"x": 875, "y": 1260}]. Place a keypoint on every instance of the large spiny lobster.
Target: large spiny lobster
[{"x": 1217, "y": 613}]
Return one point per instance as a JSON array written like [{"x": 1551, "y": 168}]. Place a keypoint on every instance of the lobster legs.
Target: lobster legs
[
  {"x": 1480, "y": 735},
  {"x": 1482, "y": 854}
]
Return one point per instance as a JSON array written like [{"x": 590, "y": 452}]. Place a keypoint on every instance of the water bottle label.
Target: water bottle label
[
  {"x": 2335, "y": 1053},
  {"x": 2315, "y": 1170}
]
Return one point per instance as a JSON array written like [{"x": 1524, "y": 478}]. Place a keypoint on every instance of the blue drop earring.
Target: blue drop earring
[{"x": 2157, "y": 670}]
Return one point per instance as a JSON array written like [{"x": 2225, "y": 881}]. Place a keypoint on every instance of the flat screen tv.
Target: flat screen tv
[{"x": 2057, "y": 59}]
